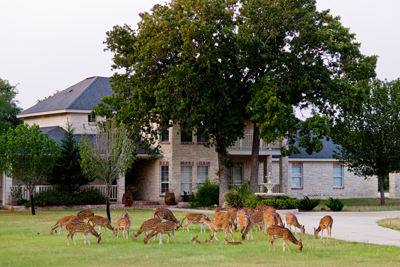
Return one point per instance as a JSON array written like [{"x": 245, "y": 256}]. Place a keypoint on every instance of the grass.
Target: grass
[
  {"x": 365, "y": 204},
  {"x": 25, "y": 241},
  {"x": 392, "y": 223}
]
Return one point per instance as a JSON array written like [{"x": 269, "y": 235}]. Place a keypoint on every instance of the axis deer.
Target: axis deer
[
  {"x": 248, "y": 228},
  {"x": 124, "y": 224},
  {"x": 291, "y": 219},
  {"x": 269, "y": 219},
  {"x": 220, "y": 215},
  {"x": 84, "y": 215},
  {"x": 195, "y": 241},
  {"x": 326, "y": 222},
  {"x": 125, "y": 215},
  {"x": 146, "y": 227},
  {"x": 216, "y": 226},
  {"x": 101, "y": 222},
  {"x": 166, "y": 227},
  {"x": 248, "y": 211},
  {"x": 62, "y": 222},
  {"x": 211, "y": 240},
  {"x": 166, "y": 214},
  {"x": 281, "y": 232},
  {"x": 193, "y": 218},
  {"x": 244, "y": 224},
  {"x": 232, "y": 243},
  {"x": 262, "y": 207},
  {"x": 279, "y": 219},
  {"x": 258, "y": 220},
  {"x": 81, "y": 227},
  {"x": 232, "y": 212}
]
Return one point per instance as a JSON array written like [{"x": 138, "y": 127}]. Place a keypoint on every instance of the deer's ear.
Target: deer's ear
[{"x": 314, "y": 228}]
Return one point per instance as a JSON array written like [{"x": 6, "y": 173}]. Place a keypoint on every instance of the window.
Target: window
[
  {"x": 185, "y": 137},
  {"x": 338, "y": 176},
  {"x": 236, "y": 174},
  {"x": 201, "y": 139},
  {"x": 164, "y": 179},
  {"x": 91, "y": 118},
  {"x": 202, "y": 174},
  {"x": 164, "y": 137},
  {"x": 186, "y": 179},
  {"x": 297, "y": 176}
]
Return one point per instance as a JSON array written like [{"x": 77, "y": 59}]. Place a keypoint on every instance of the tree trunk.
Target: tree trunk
[
  {"x": 223, "y": 172},
  {"x": 32, "y": 205},
  {"x": 108, "y": 209},
  {"x": 381, "y": 178},
  {"x": 255, "y": 162}
]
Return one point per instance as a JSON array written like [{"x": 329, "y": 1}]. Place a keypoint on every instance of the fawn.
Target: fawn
[
  {"x": 62, "y": 222},
  {"x": 101, "y": 222},
  {"x": 291, "y": 219},
  {"x": 217, "y": 225},
  {"x": 166, "y": 227},
  {"x": 195, "y": 241},
  {"x": 258, "y": 220},
  {"x": 166, "y": 214},
  {"x": 208, "y": 240},
  {"x": 269, "y": 219},
  {"x": 124, "y": 224},
  {"x": 81, "y": 227},
  {"x": 84, "y": 215},
  {"x": 146, "y": 227},
  {"x": 220, "y": 215},
  {"x": 232, "y": 243},
  {"x": 326, "y": 222},
  {"x": 193, "y": 218},
  {"x": 281, "y": 232}
]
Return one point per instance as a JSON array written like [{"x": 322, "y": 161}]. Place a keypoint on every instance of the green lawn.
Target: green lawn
[
  {"x": 25, "y": 241},
  {"x": 365, "y": 204}
]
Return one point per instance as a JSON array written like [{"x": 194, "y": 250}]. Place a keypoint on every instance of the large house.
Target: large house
[{"x": 184, "y": 161}]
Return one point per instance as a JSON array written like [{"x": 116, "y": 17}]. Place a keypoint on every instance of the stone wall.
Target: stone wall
[{"x": 394, "y": 185}]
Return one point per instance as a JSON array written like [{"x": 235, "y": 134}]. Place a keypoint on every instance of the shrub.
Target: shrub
[
  {"x": 207, "y": 194},
  {"x": 335, "y": 204},
  {"x": 277, "y": 203},
  {"x": 57, "y": 197},
  {"x": 238, "y": 195},
  {"x": 308, "y": 203}
]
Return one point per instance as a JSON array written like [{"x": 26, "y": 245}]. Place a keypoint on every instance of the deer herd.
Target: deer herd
[{"x": 246, "y": 220}]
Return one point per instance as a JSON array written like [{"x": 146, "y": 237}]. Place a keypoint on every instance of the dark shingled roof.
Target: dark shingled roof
[
  {"x": 326, "y": 153},
  {"x": 83, "y": 96}
]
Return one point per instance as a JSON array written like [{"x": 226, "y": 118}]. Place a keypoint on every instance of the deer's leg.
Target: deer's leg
[
  {"x": 173, "y": 234},
  {"x": 285, "y": 243},
  {"x": 214, "y": 233},
  {"x": 160, "y": 238},
  {"x": 322, "y": 232},
  {"x": 226, "y": 236},
  {"x": 68, "y": 238},
  {"x": 168, "y": 238},
  {"x": 72, "y": 237}
]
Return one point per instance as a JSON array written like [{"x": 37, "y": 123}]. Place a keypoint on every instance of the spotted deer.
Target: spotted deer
[
  {"x": 193, "y": 218},
  {"x": 101, "y": 222},
  {"x": 262, "y": 208},
  {"x": 62, "y": 222},
  {"x": 220, "y": 215},
  {"x": 84, "y": 215},
  {"x": 195, "y": 241},
  {"x": 281, "y": 232},
  {"x": 244, "y": 224},
  {"x": 279, "y": 219},
  {"x": 232, "y": 243},
  {"x": 125, "y": 215},
  {"x": 257, "y": 220},
  {"x": 232, "y": 212},
  {"x": 216, "y": 226},
  {"x": 146, "y": 227},
  {"x": 248, "y": 228},
  {"x": 269, "y": 219},
  {"x": 81, "y": 227},
  {"x": 124, "y": 224},
  {"x": 291, "y": 219},
  {"x": 166, "y": 227},
  {"x": 248, "y": 211},
  {"x": 326, "y": 222},
  {"x": 211, "y": 240},
  {"x": 166, "y": 214}
]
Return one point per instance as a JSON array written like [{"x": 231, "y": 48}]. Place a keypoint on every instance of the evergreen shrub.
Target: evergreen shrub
[
  {"x": 280, "y": 203},
  {"x": 207, "y": 194},
  {"x": 56, "y": 197},
  {"x": 308, "y": 203},
  {"x": 335, "y": 204}
]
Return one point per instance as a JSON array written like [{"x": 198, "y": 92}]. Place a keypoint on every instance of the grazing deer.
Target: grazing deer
[
  {"x": 244, "y": 224},
  {"x": 232, "y": 243},
  {"x": 146, "y": 227},
  {"x": 270, "y": 209},
  {"x": 166, "y": 227},
  {"x": 220, "y": 215},
  {"x": 249, "y": 228},
  {"x": 125, "y": 215},
  {"x": 232, "y": 212},
  {"x": 124, "y": 224},
  {"x": 166, "y": 214},
  {"x": 195, "y": 241},
  {"x": 248, "y": 211},
  {"x": 262, "y": 208},
  {"x": 101, "y": 222},
  {"x": 81, "y": 227},
  {"x": 218, "y": 225},
  {"x": 258, "y": 220},
  {"x": 62, "y": 222},
  {"x": 193, "y": 218},
  {"x": 326, "y": 222},
  {"x": 281, "y": 232},
  {"x": 84, "y": 215},
  {"x": 291, "y": 219},
  {"x": 211, "y": 240},
  {"x": 269, "y": 219},
  {"x": 279, "y": 219}
]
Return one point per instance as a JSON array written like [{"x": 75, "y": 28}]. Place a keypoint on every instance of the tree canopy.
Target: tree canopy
[
  {"x": 8, "y": 107},
  {"x": 369, "y": 139}
]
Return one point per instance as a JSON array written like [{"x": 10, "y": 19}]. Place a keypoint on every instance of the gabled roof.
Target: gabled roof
[
  {"x": 81, "y": 96},
  {"x": 326, "y": 153}
]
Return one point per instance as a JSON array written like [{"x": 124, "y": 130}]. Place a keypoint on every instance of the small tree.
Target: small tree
[
  {"x": 67, "y": 172},
  {"x": 108, "y": 154},
  {"x": 27, "y": 155},
  {"x": 369, "y": 139},
  {"x": 8, "y": 107}
]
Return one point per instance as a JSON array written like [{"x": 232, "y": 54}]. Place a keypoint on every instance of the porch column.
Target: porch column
[
  {"x": 120, "y": 188},
  {"x": 283, "y": 173},
  {"x": 7, "y": 183}
]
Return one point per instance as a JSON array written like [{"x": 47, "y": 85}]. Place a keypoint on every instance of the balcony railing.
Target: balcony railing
[
  {"x": 41, "y": 188},
  {"x": 247, "y": 144}
]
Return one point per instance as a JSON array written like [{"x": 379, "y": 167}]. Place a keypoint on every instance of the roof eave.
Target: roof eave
[{"x": 84, "y": 111}]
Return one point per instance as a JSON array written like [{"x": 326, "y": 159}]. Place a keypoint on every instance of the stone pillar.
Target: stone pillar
[
  {"x": 7, "y": 183},
  {"x": 283, "y": 173},
  {"x": 394, "y": 185},
  {"x": 120, "y": 188}
]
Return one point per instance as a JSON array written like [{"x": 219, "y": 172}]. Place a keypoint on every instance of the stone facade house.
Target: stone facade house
[{"x": 185, "y": 161}]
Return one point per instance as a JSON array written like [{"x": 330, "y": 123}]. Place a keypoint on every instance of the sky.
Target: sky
[{"x": 51, "y": 45}]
